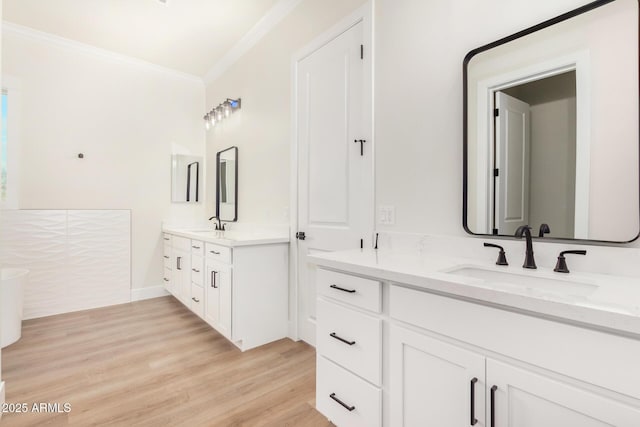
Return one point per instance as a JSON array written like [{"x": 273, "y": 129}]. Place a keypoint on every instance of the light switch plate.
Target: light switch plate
[{"x": 386, "y": 215}]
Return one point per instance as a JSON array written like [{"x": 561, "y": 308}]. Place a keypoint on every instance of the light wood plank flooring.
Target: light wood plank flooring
[{"x": 154, "y": 363}]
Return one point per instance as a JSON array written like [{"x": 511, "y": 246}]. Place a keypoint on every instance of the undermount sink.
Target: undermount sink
[{"x": 525, "y": 281}]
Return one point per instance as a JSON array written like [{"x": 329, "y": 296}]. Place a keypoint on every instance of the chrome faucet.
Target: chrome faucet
[
  {"x": 529, "y": 261},
  {"x": 219, "y": 224}
]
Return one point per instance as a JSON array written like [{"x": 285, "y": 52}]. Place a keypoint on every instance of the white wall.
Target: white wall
[
  {"x": 261, "y": 129},
  {"x": 125, "y": 117},
  {"x": 420, "y": 48}
]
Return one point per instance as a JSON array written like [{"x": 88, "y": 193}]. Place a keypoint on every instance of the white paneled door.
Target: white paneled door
[
  {"x": 335, "y": 157},
  {"x": 512, "y": 163}
]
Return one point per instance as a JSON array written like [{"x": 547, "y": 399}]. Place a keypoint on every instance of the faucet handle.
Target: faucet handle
[
  {"x": 561, "y": 265},
  {"x": 544, "y": 229},
  {"x": 502, "y": 257}
]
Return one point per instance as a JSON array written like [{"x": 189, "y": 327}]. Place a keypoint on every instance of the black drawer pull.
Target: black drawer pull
[
  {"x": 333, "y": 335},
  {"x": 167, "y": 256},
  {"x": 215, "y": 253},
  {"x": 493, "y": 405},
  {"x": 344, "y": 405},
  {"x": 195, "y": 299},
  {"x": 166, "y": 280},
  {"x": 166, "y": 238},
  {"x": 473, "y": 421},
  {"x": 195, "y": 270},
  {"x": 351, "y": 291}
]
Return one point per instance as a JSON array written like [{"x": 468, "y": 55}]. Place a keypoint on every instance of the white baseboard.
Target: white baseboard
[{"x": 138, "y": 294}]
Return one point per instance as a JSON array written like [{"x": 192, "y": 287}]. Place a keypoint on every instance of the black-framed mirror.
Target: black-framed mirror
[
  {"x": 227, "y": 184},
  {"x": 551, "y": 128}
]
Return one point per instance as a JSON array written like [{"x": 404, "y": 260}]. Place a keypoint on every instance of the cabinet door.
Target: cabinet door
[
  {"x": 226, "y": 288},
  {"x": 218, "y": 301},
  {"x": 181, "y": 275},
  {"x": 431, "y": 382},
  {"x": 212, "y": 296},
  {"x": 524, "y": 399}
]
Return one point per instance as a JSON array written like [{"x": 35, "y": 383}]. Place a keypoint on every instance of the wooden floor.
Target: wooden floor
[{"x": 154, "y": 363}]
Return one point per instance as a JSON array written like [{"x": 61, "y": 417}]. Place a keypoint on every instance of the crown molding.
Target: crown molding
[
  {"x": 276, "y": 14},
  {"x": 41, "y": 36}
]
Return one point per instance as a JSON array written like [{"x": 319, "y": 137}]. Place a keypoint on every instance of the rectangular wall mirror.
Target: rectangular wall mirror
[
  {"x": 551, "y": 128},
  {"x": 227, "y": 188},
  {"x": 186, "y": 176}
]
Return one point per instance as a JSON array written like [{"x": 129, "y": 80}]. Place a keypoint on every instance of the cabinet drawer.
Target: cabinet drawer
[
  {"x": 166, "y": 279},
  {"x": 361, "y": 353},
  {"x": 197, "y": 269},
  {"x": 197, "y": 300},
  {"x": 354, "y": 290},
  {"x": 362, "y": 400},
  {"x": 166, "y": 238},
  {"x": 181, "y": 243},
  {"x": 166, "y": 255},
  {"x": 197, "y": 247},
  {"x": 218, "y": 253}
]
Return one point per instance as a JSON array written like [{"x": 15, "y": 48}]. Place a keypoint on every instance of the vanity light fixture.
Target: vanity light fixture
[{"x": 222, "y": 111}]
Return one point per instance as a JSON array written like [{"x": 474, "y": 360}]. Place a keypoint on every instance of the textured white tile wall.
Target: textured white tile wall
[{"x": 78, "y": 259}]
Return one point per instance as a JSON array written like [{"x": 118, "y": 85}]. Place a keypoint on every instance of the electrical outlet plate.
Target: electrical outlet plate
[{"x": 386, "y": 215}]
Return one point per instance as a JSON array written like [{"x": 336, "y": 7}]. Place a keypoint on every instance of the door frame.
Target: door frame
[
  {"x": 364, "y": 15},
  {"x": 577, "y": 61}
]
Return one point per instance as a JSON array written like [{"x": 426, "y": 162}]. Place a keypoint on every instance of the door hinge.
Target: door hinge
[
  {"x": 300, "y": 235},
  {"x": 496, "y": 172},
  {"x": 361, "y": 51},
  {"x": 495, "y": 231},
  {"x": 496, "y": 113},
  {"x": 361, "y": 243}
]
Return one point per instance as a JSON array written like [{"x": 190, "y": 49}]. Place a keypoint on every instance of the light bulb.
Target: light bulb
[
  {"x": 227, "y": 109},
  {"x": 218, "y": 113},
  {"x": 207, "y": 125}
]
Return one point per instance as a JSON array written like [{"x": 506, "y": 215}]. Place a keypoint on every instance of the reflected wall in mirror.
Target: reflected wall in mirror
[
  {"x": 186, "y": 176},
  {"x": 227, "y": 188},
  {"x": 551, "y": 128}
]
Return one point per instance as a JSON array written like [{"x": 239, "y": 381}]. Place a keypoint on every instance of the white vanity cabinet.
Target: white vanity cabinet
[
  {"x": 453, "y": 362},
  {"x": 239, "y": 287}
]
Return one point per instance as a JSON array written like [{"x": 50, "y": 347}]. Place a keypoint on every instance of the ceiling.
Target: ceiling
[{"x": 185, "y": 35}]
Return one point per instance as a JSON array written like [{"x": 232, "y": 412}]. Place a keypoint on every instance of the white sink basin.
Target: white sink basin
[{"x": 533, "y": 281}]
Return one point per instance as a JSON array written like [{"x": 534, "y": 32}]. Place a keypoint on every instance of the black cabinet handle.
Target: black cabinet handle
[
  {"x": 167, "y": 256},
  {"x": 178, "y": 259},
  {"x": 215, "y": 253},
  {"x": 195, "y": 270},
  {"x": 166, "y": 280},
  {"x": 493, "y": 405},
  {"x": 351, "y": 291},
  {"x": 195, "y": 299},
  {"x": 213, "y": 279},
  {"x": 344, "y": 405},
  {"x": 333, "y": 335},
  {"x": 195, "y": 247},
  {"x": 473, "y": 420},
  {"x": 166, "y": 238}
]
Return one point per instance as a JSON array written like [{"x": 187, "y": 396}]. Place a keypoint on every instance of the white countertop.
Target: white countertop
[
  {"x": 231, "y": 238},
  {"x": 596, "y": 300}
]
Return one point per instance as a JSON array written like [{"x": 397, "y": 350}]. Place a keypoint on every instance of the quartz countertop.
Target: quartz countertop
[
  {"x": 231, "y": 238},
  {"x": 600, "y": 301}
]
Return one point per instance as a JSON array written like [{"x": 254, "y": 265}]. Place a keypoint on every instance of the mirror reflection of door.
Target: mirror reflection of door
[{"x": 535, "y": 155}]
